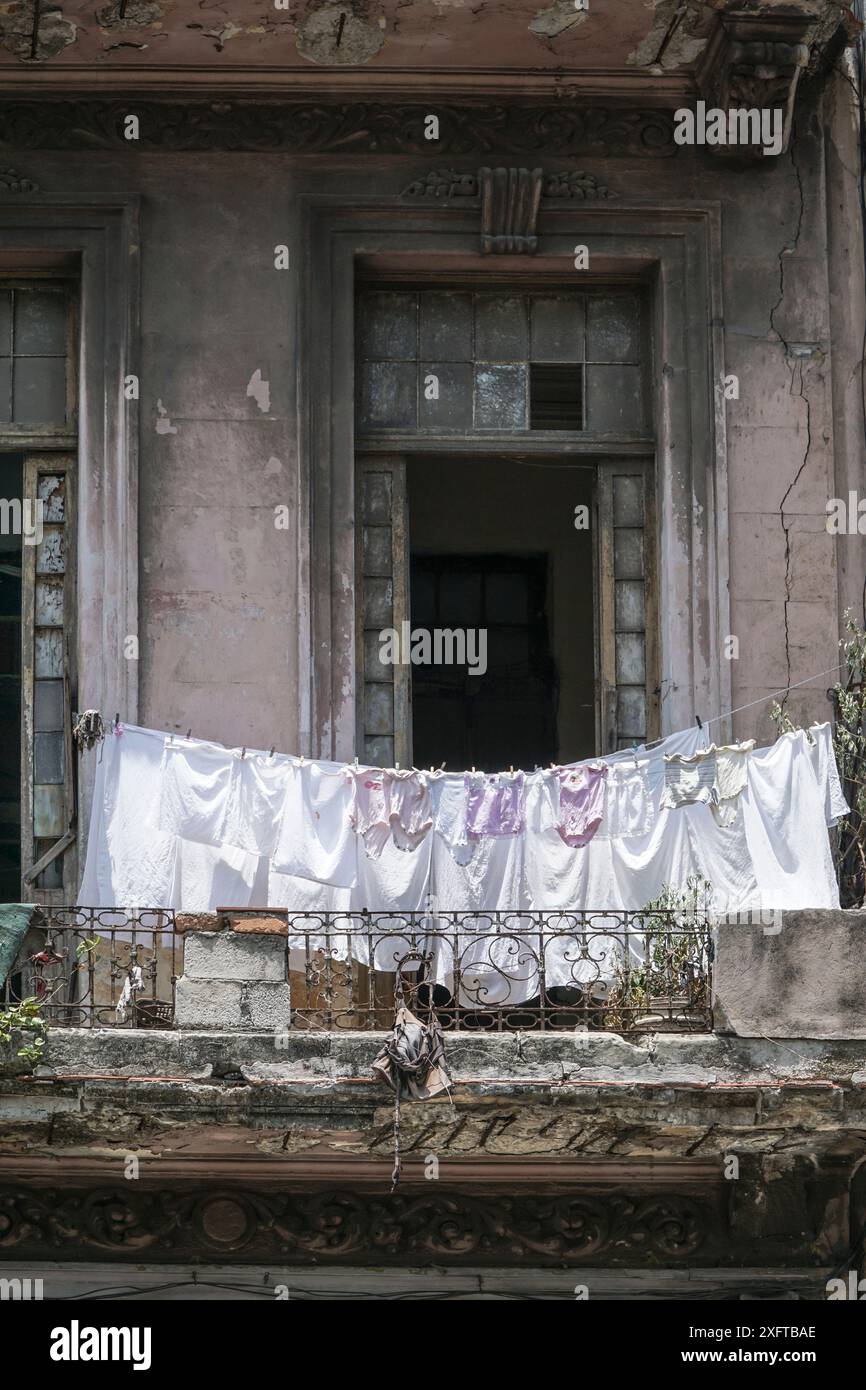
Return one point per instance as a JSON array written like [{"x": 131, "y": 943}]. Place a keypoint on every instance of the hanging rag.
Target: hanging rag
[
  {"x": 88, "y": 729},
  {"x": 133, "y": 984},
  {"x": 412, "y": 1062},
  {"x": 14, "y": 921}
]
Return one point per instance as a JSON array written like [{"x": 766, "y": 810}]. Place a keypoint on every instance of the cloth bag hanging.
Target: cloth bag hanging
[{"x": 412, "y": 1063}]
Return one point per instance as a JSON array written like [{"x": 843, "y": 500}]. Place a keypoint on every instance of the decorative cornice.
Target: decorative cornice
[
  {"x": 448, "y": 184},
  {"x": 340, "y": 128},
  {"x": 12, "y": 182},
  {"x": 327, "y": 1227}
]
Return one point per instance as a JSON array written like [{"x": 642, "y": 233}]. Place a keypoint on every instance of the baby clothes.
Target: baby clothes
[
  {"x": 494, "y": 805},
  {"x": 716, "y": 776},
  {"x": 370, "y": 815},
  {"x": 581, "y": 802},
  {"x": 410, "y": 808}
]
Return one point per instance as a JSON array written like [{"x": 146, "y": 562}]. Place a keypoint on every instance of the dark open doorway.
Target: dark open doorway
[{"x": 494, "y": 546}]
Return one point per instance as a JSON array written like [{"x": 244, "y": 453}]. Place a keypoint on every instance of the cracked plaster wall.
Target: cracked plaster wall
[{"x": 220, "y": 601}]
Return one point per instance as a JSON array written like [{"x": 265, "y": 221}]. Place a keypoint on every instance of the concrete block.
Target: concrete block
[
  {"x": 806, "y": 981},
  {"x": 214, "y": 1004},
  {"x": 231, "y": 956},
  {"x": 266, "y": 1005}
]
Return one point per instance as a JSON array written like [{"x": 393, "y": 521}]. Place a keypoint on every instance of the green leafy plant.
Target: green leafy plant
[
  {"x": 673, "y": 976},
  {"x": 849, "y": 742},
  {"x": 25, "y": 1017}
]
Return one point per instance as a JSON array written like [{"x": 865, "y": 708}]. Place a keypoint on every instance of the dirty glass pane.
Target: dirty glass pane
[
  {"x": 557, "y": 329},
  {"x": 460, "y": 600},
  {"x": 379, "y": 752},
  {"x": 446, "y": 327},
  {"x": 378, "y": 550},
  {"x": 629, "y": 604},
  {"x": 374, "y": 668},
  {"x": 40, "y": 391},
  {"x": 613, "y": 328},
  {"x": 378, "y": 603},
  {"x": 376, "y": 496},
  {"x": 51, "y": 489},
  {"x": 51, "y": 551},
  {"x": 507, "y": 598},
  {"x": 630, "y": 658},
  {"x": 628, "y": 501},
  {"x": 388, "y": 325},
  {"x": 388, "y": 395},
  {"x": 501, "y": 328},
  {"x": 49, "y": 812},
  {"x": 5, "y": 389},
  {"x": 48, "y": 757},
  {"x": 48, "y": 645},
  {"x": 628, "y": 553},
  {"x": 500, "y": 397},
  {"x": 631, "y": 713},
  {"x": 49, "y": 602},
  {"x": 453, "y": 409},
  {"x": 378, "y": 708},
  {"x": 614, "y": 399},
  {"x": 48, "y": 705},
  {"x": 5, "y": 323},
  {"x": 40, "y": 323}
]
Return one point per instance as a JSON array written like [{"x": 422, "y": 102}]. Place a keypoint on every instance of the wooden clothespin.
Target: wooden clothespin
[
  {"x": 189, "y": 733},
  {"x": 244, "y": 751},
  {"x": 273, "y": 751},
  {"x": 698, "y": 722},
  {"x": 511, "y": 767}
]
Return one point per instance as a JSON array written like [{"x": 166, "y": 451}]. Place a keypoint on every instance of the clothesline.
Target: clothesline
[
  {"x": 783, "y": 690},
  {"x": 190, "y": 825}
]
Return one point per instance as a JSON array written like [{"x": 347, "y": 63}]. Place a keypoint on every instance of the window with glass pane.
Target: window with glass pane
[
  {"x": 34, "y": 354},
  {"x": 481, "y": 361}
]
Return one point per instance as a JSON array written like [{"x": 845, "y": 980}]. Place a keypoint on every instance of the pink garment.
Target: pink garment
[
  {"x": 494, "y": 804},
  {"x": 581, "y": 802}
]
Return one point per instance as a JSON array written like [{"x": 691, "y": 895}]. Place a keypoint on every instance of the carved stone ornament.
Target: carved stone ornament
[
  {"x": 756, "y": 63},
  {"x": 574, "y": 185},
  {"x": 358, "y": 1228},
  {"x": 12, "y": 182},
  {"x": 364, "y": 127},
  {"x": 510, "y": 200}
]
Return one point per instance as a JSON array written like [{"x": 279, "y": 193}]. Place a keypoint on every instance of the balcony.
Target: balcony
[{"x": 620, "y": 972}]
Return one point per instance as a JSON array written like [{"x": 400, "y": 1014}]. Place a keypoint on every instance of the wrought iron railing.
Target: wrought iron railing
[{"x": 615, "y": 971}]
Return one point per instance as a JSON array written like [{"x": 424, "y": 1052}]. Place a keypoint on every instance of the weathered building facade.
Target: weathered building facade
[{"x": 326, "y": 318}]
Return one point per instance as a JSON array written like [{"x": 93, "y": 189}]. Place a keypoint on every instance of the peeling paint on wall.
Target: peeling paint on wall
[
  {"x": 260, "y": 391},
  {"x": 53, "y": 33},
  {"x": 338, "y": 34},
  {"x": 672, "y": 41},
  {"x": 163, "y": 424},
  {"x": 135, "y": 14},
  {"x": 273, "y": 467},
  {"x": 558, "y": 17}
]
